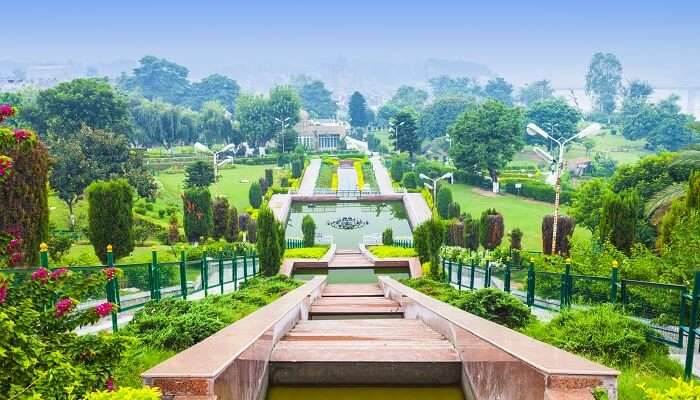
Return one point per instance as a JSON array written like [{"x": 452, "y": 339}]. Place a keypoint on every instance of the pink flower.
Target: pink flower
[
  {"x": 42, "y": 274},
  {"x": 58, "y": 273},
  {"x": 64, "y": 306},
  {"x": 3, "y": 292},
  {"x": 104, "y": 309},
  {"x": 109, "y": 384},
  {"x": 14, "y": 243},
  {"x": 6, "y": 110},
  {"x": 110, "y": 273},
  {"x": 15, "y": 258},
  {"x": 22, "y": 134}
]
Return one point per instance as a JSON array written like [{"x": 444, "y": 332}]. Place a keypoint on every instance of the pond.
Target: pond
[
  {"x": 351, "y": 275},
  {"x": 365, "y": 393},
  {"x": 377, "y": 216}
]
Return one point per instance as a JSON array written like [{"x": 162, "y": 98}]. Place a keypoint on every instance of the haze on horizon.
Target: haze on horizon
[{"x": 522, "y": 42}]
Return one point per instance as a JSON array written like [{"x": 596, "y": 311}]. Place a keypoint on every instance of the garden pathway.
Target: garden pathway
[
  {"x": 382, "y": 176},
  {"x": 347, "y": 178},
  {"x": 417, "y": 209},
  {"x": 308, "y": 182}
]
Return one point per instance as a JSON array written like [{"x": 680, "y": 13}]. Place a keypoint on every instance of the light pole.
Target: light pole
[
  {"x": 534, "y": 130},
  {"x": 434, "y": 182},
  {"x": 204, "y": 149},
  {"x": 282, "y": 122},
  {"x": 396, "y": 134}
]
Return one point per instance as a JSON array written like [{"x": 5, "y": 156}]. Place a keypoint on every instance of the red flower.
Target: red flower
[
  {"x": 109, "y": 384},
  {"x": 64, "y": 306},
  {"x": 15, "y": 258},
  {"x": 58, "y": 273},
  {"x": 103, "y": 309},
  {"x": 3, "y": 291},
  {"x": 22, "y": 135},
  {"x": 6, "y": 110},
  {"x": 42, "y": 274},
  {"x": 110, "y": 273}
]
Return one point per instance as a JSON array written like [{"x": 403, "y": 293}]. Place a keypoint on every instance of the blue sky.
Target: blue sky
[{"x": 522, "y": 40}]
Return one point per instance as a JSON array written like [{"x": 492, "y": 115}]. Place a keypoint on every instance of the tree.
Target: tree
[
  {"x": 219, "y": 88},
  {"x": 437, "y": 117},
  {"x": 618, "y": 219},
  {"x": 638, "y": 90},
  {"x": 70, "y": 174},
  {"x": 297, "y": 168},
  {"x": 254, "y": 115},
  {"x": 471, "y": 233},
  {"x": 268, "y": 243},
  {"x": 231, "y": 233},
  {"x": 386, "y": 113},
  {"x": 459, "y": 87},
  {"x": 398, "y": 168},
  {"x": 65, "y": 108},
  {"x": 255, "y": 195},
  {"x": 388, "y": 237},
  {"x": 428, "y": 239},
  {"x": 215, "y": 126},
  {"x": 199, "y": 174},
  {"x": 220, "y": 215},
  {"x": 588, "y": 203},
  {"x": 357, "y": 111},
  {"x": 536, "y": 91},
  {"x": 662, "y": 124},
  {"x": 317, "y": 100},
  {"x": 405, "y": 134},
  {"x": 409, "y": 97},
  {"x": 139, "y": 176},
  {"x": 284, "y": 105},
  {"x": 565, "y": 228},
  {"x": 308, "y": 229},
  {"x": 110, "y": 217},
  {"x": 157, "y": 123},
  {"x": 555, "y": 116},
  {"x": 487, "y": 137},
  {"x": 604, "y": 81},
  {"x": 499, "y": 89},
  {"x": 197, "y": 210},
  {"x": 173, "y": 230},
  {"x": 444, "y": 199},
  {"x": 491, "y": 229},
  {"x": 409, "y": 180},
  {"x": 158, "y": 78}
]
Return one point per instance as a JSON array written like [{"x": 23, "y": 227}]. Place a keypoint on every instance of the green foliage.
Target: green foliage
[
  {"x": 398, "y": 168},
  {"x": 198, "y": 216},
  {"x": 409, "y": 97},
  {"x": 110, "y": 218},
  {"x": 534, "y": 189},
  {"x": 409, "y": 180},
  {"x": 127, "y": 393},
  {"x": 693, "y": 196},
  {"x": 391, "y": 251},
  {"x": 536, "y": 91},
  {"x": 199, "y": 174},
  {"x": 308, "y": 229},
  {"x": 158, "y": 78},
  {"x": 437, "y": 117},
  {"x": 316, "y": 99},
  {"x": 357, "y": 111},
  {"x": 565, "y": 228},
  {"x": 269, "y": 249},
  {"x": 444, "y": 199},
  {"x": 297, "y": 168},
  {"x": 661, "y": 124},
  {"x": 455, "y": 233},
  {"x": 428, "y": 238},
  {"x": 471, "y": 233},
  {"x": 315, "y": 252},
  {"x": 454, "y": 87},
  {"x": 231, "y": 233},
  {"x": 214, "y": 88},
  {"x": 516, "y": 237},
  {"x": 220, "y": 215},
  {"x": 59, "y": 245},
  {"x": 388, "y": 237},
  {"x": 255, "y": 195},
  {"x": 500, "y": 90},
  {"x": 404, "y": 132},
  {"x": 683, "y": 254},
  {"x": 681, "y": 390},
  {"x": 144, "y": 230},
  {"x": 554, "y": 115},
  {"x": 588, "y": 203},
  {"x": 603, "y": 333},
  {"x": 618, "y": 219},
  {"x": 491, "y": 229},
  {"x": 604, "y": 81}
]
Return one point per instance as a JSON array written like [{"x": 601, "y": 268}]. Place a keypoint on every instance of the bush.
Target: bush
[
  {"x": 59, "y": 245},
  {"x": 536, "y": 190},
  {"x": 603, "y": 333},
  {"x": 143, "y": 230},
  {"x": 199, "y": 174},
  {"x": 269, "y": 250},
  {"x": 198, "y": 218},
  {"x": 491, "y": 229},
  {"x": 618, "y": 219},
  {"x": 409, "y": 180},
  {"x": 427, "y": 239},
  {"x": 297, "y": 168},
  {"x": 681, "y": 390},
  {"x": 231, "y": 233},
  {"x": 388, "y": 237},
  {"x": 497, "y": 306},
  {"x": 444, "y": 199},
  {"x": 109, "y": 217},
  {"x": 220, "y": 216},
  {"x": 127, "y": 393},
  {"x": 315, "y": 252},
  {"x": 397, "y": 169},
  {"x": 455, "y": 233},
  {"x": 471, "y": 233},
  {"x": 308, "y": 228},
  {"x": 252, "y": 231},
  {"x": 268, "y": 177},
  {"x": 565, "y": 228},
  {"x": 255, "y": 195}
]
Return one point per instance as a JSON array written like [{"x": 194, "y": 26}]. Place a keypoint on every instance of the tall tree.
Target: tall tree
[
  {"x": 110, "y": 217},
  {"x": 65, "y": 108},
  {"x": 618, "y": 219},
  {"x": 284, "y": 105},
  {"x": 555, "y": 116},
  {"x": 357, "y": 110},
  {"x": 215, "y": 88},
  {"x": 409, "y": 96},
  {"x": 199, "y": 174},
  {"x": 215, "y": 125},
  {"x": 662, "y": 124},
  {"x": 268, "y": 243},
  {"x": 437, "y": 117},
  {"x": 156, "y": 123},
  {"x": 158, "y": 78},
  {"x": 499, "y": 89},
  {"x": 404, "y": 132},
  {"x": 317, "y": 100},
  {"x": 254, "y": 117},
  {"x": 638, "y": 90},
  {"x": 604, "y": 81},
  {"x": 533, "y": 92},
  {"x": 487, "y": 137},
  {"x": 460, "y": 87}
]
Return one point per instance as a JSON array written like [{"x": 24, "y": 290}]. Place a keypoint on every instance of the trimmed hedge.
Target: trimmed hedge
[
  {"x": 110, "y": 220},
  {"x": 535, "y": 190}
]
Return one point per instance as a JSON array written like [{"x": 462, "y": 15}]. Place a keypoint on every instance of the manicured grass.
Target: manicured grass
[
  {"x": 368, "y": 173},
  {"x": 325, "y": 176},
  {"x": 517, "y": 212},
  {"x": 315, "y": 252},
  {"x": 233, "y": 184},
  {"x": 82, "y": 254},
  {"x": 391, "y": 251}
]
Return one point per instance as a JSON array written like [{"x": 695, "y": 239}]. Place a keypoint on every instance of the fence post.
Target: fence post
[
  {"x": 487, "y": 272},
  {"x": 613, "y": 282},
  {"x": 111, "y": 287},
  {"x": 151, "y": 280},
  {"x": 444, "y": 266},
  {"x": 692, "y": 325},
  {"x": 183, "y": 274},
  {"x": 459, "y": 274},
  {"x": 44, "y": 255},
  {"x": 565, "y": 281},
  {"x": 156, "y": 274},
  {"x": 221, "y": 271},
  {"x": 245, "y": 267},
  {"x": 449, "y": 272},
  {"x": 531, "y": 283},
  {"x": 235, "y": 272},
  {"x": 506, "y": 275},
  {"x": 253, "y": 257},
  {"x": 205, "y": 273},
  {"x": 471, "y": 274}
]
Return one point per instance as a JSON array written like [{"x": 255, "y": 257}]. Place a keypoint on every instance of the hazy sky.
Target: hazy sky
[{"x": 521, "y": 40}]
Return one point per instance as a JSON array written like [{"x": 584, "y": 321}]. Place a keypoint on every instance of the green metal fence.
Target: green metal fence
[
  {"x": 142, "y": 282},
  {"x": 295, "y": 243},
  {"x": 405, "y": 243},
  {"x": 670, "y": 310}
]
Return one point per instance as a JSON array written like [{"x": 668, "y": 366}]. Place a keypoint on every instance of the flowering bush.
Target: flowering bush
[
  {"x": 5, "y": 167},
  {"x": 6, "y": 111},
  {"x": 145, "y": 393},
  {"x": 41, "y": 356}
]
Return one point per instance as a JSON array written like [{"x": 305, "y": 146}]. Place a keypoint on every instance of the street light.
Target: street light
[
  {"x": 282, "y": 122},
  {"x": 396, "y": 133},
  {"x": 204, "y": 149},
  {"x": 433, "y": 187},
  {"x": 534, "y": 130}
]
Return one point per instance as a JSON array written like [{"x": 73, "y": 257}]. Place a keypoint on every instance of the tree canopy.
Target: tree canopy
[
  {"x": 499, "y": 89},
  {"x": 604, "y": 81},
  {"x": 357, "y": 110},
  {"x": 219, "y": 88},
  {"x": 661, "y": 124},
  {"x": 437, "y": 117},
  {"x": 462, "y": 87},
  {"x": 409, "y": 96},
  {"x": 404, "y": 133},
  {"x": 158, "y": 78},
  {"x": 555, "y": 116},
  {"x": 533, "y": 92},
  {"x": 316, "y": 99}
]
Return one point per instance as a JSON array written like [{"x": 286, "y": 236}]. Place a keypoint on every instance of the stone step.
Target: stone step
[
  {"x": 357, "y": 305},
  {"x": 352, "y": 290}
]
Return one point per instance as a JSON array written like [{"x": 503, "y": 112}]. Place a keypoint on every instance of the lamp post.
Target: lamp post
[
  {"x": 534, "y": 130},
  {"x": 434, "y": 182},
  {"x": 282, "y": 122},
  {"x": 396, "y": 133},
  {"x": 204, "y": 149}
]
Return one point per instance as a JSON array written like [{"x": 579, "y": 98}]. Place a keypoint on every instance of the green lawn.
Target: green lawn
[
  {"x": 233, "y": 185},
  {"x": 517, "y": 212},
  {"x": 325, "y": 176}
]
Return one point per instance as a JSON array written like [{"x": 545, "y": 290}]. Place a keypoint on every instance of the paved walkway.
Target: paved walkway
[
  {"x": 382, "y": 176},
  {"x": 280, "y": 205},
  {"x": 347, "y": 178},
  {"x": 416, "y": 208},
  {"x": 308, "y": 182}
]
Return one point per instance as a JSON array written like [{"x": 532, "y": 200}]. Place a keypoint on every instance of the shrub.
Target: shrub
[
  {"x": 497, "y": 306},
  {"x": 454, "y": 210},
  {"x": 268, "y": 246},
  {"x": 308, "y": 228},
  {"x": 409, "y": 180},
  {"x": 315, "y": 252},
  {"x": 397, "y": 169},
  {"x": 427, "y": 239},
  {"x": 618, "y": 219},
  {"x": 252, "y": 231},
  {"x": 491, "y": 229},
  {"x": 59, "y": 245},
  {"x": 444, "y": 199},
  {"x": 231, "y": 234},
  {"x": 199, "y": 174},
  {"x": 243, "y": 221},
  {"x": 455, "y": 233},
  {"x": 198, "y": 219},
  {"x": 268, "y": 177},
  {"x": 127, "y": 393},
  {"x": 255, "y": 195},
  {"x": 681, "y": 390},
  {"x": 143, "y": 230},
  {"x": 297, "y": 168},
  {"x": 388, "y": 237},
  {"x": 284, "y": 182},
  {"x": 536, "y": 190},
  {"x": 220, "y": 216},
  {"x": 565, "y": 228},
  {"x": 603, "y": 333},
  {"x": 109, "y": 217},
  {"x": 263, "y": 187},
  {"x": 173, "y": 230},
  {"x": 471, "y": 233}
]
